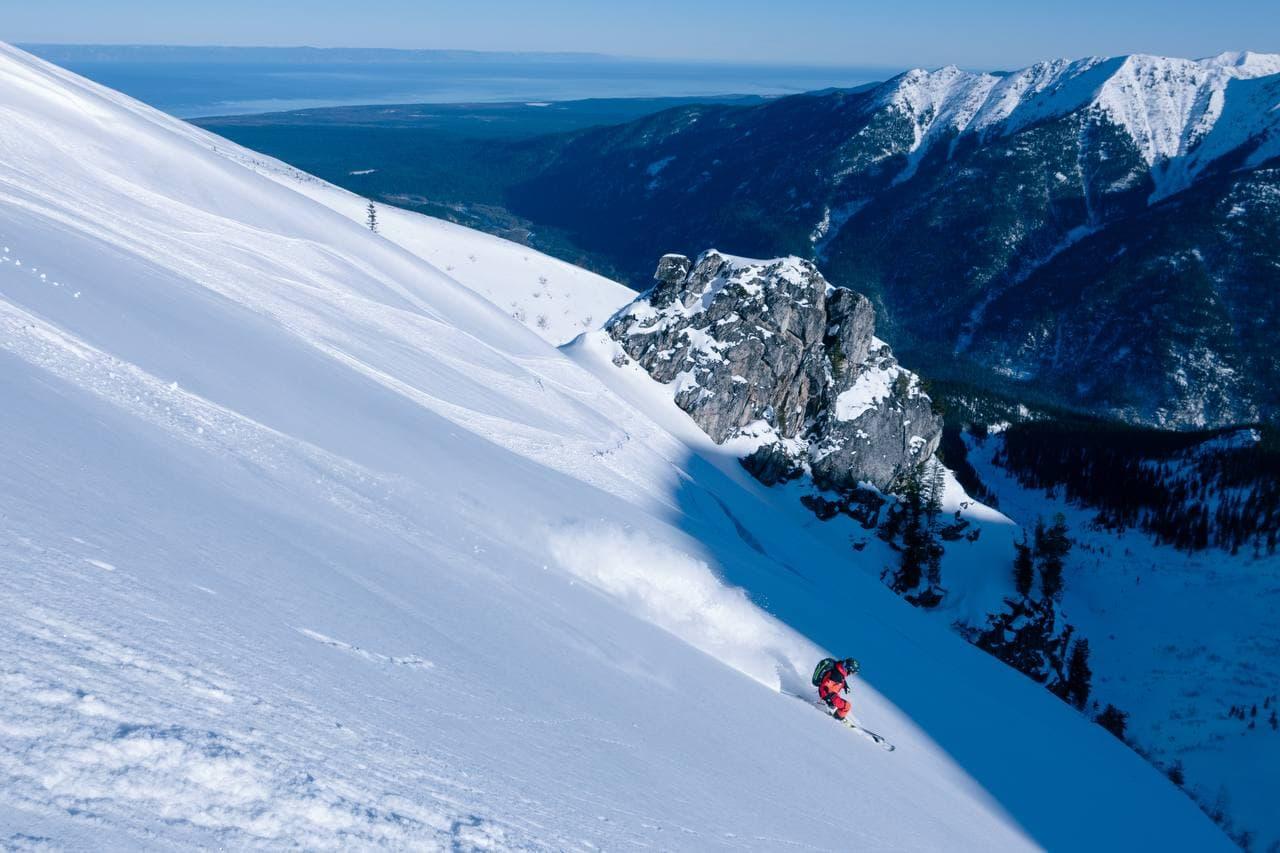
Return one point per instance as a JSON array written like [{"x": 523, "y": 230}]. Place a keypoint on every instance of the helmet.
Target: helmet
[{"x": 851, "y": 666}]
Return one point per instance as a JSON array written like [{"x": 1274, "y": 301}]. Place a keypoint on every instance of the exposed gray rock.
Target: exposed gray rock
[
  {"x": 672, "y": 270},
  {"x": 772, "y": 464},
  {"x": 769, "y": 348}
]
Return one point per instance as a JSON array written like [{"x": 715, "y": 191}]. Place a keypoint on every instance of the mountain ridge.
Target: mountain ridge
[{"x": 1167, "y": 105}]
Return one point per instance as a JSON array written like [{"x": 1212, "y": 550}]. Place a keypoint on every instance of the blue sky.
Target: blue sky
[{"x": 972, "y": 33}]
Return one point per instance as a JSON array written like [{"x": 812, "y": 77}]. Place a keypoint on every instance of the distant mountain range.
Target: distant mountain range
[{"x": 1103, "y": 233}]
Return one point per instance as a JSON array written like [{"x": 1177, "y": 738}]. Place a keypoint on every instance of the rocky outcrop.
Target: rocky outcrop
[{"x": 769, "y": 350}]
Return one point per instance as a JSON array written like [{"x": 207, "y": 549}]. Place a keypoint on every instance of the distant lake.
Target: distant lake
[{"x": 194, "y": 89}]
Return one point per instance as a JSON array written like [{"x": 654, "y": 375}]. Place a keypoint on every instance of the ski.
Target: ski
[
  {"x": 870, "y": 735},
  {"x": 852, "y": 726}
]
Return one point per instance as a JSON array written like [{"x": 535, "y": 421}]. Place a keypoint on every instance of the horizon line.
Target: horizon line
[{"x": 581, "y": 54}]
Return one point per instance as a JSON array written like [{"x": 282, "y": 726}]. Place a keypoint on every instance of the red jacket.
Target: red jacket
[{"x": 834, "y": 681}]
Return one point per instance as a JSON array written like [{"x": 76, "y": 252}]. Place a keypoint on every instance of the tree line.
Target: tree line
[{"x": 1190, "y": 490}]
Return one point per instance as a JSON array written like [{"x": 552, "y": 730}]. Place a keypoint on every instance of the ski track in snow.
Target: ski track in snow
[{"x": 412, "y": 661}]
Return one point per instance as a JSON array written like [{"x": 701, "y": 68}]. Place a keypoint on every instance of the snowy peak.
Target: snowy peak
[
  {"x": 937, "y": 103},
  {"x": 1169, "y": 105},
  {"x": 1042, "y": 90},
  {"x": 1250, "y": 63},
  {"x": 1166, "y": 106},
  {"x": 928, "y": 94}
]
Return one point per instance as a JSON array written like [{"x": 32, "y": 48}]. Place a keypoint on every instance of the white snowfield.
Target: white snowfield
[
  {"x": 304, "y": 543},
  {"x": 557, "y": 300}
]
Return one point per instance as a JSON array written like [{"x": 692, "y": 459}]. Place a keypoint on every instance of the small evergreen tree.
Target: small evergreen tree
[
  {"x": 1052, "y": 547},
  {"x": 1221, "y": 811},
  {"x": 933, "y": 549},
  {"x": 933, "y": 564},
  {"x": 936, "y": 485},
  {"x": 1024, "y": 569},
  {"x": 912, "y": 557},
  {"x": 371, "y": 218},
  {"x": 1079, "y": 675},
  {"x": 913, "y": 529},
  {"x": 1113, "y": 720}
]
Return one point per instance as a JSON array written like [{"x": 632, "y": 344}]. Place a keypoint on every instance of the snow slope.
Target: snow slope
[
  {"x": 305, "y": 543},
  {"x": 557, "y": 300}
]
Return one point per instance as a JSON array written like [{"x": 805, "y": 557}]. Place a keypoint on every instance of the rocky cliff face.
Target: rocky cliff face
[{"x": 770, "y": 350}]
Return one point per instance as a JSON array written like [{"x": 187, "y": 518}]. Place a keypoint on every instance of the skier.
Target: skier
[{"x": 829, "y": 677}]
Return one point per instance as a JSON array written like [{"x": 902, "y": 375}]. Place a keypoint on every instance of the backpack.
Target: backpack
[{"x": 820, "y": 672}]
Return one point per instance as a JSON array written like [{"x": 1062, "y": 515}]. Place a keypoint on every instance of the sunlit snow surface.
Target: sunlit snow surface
[{"x": 304, "y": 543}]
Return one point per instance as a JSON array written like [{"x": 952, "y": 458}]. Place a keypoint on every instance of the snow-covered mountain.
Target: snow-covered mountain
[
  {"x": 1099, "y": 234},
  {"x": 305, "y": 543},
  {"x": 1169, "y": 108}
]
